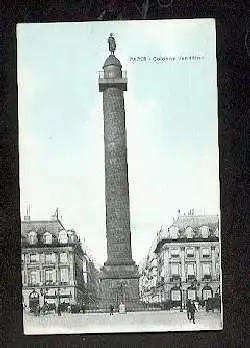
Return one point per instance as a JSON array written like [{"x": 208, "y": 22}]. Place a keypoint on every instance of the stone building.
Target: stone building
[
  {"x": 54, "y": 265},
  {"x": 188, "y": 259},
  {"x": 148, "y": 276}
]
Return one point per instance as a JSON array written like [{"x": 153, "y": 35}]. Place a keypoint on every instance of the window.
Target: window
[
  {"x": 64, "y": 275},
  {"x": 49, "y": 276},
  {"x": 191, "y": 269},
  {"x": 175, "y": 269},
  {"x": 173, "y": 231},
  {"x": 206, "y": 267},
  {"x": 34, "y": 277},
  {"x": 205, "y": 252},
  {"x": 84, "y": 265},
  {"x": 217, "y": 270},
  {"x": 175, "y": 295},
  {"x": 189, "y": 232},
  {"x": 63, "y": 237},
  {"x": 216, "y": 232},
  {"x": 175, "y": 252},
  {"x": 50, "y": 258},
  {"x": 32, "y": 238},
  {"x": 63, "y": 258},
  {"x": 204, "y": 231},
  {"x": 34, "y": 257},
  {"x": 190, "y": 252},
  {"x": 48, "y": 238}
]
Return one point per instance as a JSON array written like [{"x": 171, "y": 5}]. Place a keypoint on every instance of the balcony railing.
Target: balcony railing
[
  {"x": 207, "y": 277},
  {"x": 103, "y": 75}
]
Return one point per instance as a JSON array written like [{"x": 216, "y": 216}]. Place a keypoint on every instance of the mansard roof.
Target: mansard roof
[
  {"x": 41, "y": 226},
  {"x": 196, "y": 221},
  {"x": 193, "y": 221}
]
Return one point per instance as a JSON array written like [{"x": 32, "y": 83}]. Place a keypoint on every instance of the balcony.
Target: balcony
[
  {"x": 50, "y": 282},
  {"x": 109, "y": 81},
  {"x": 206, "y": 256}
]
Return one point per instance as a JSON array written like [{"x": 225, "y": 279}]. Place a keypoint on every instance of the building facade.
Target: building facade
[
  {"x": 54, "y": 265},
  {"x": 188, "y": 259},
  {"x": 148, "y": 271}
]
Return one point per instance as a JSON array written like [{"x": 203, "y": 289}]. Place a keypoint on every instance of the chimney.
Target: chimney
[{"x": 27, "y": 216}]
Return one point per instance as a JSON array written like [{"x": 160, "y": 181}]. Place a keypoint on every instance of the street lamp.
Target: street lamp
[{"x": 58, "y": 301}]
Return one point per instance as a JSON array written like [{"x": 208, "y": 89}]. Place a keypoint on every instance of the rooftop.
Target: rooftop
[{"x": 194, "y": 221}]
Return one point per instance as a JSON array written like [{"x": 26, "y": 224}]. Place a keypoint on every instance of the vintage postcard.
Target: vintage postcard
[{"x": 119, "y": 176}]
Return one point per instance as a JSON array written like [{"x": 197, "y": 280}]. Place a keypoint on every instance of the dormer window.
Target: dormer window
[
  {"x": 32, "y": 237},
  {"x": 189, "y": 232},
  {"x": 174, "y": 232},
  {"x": 47, "y": 238},
  {"x": 71, "y": 237},
  {"x": 63, "y": 237},
  {"x": 204, "y": 231}
]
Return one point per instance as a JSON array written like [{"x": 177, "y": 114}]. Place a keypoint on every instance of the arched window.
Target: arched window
[
  {"x": 32, "y": 237},
  {"x": 189, "y": 232},
  {"x": 204, "y": 231},
  {"x": 63, "y": 237},
  {"x": 47, "y": 238},
  {"x": 174, "y": 232}
]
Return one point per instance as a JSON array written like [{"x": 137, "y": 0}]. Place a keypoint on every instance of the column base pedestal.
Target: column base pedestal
[{"x": 119, "y": 283}]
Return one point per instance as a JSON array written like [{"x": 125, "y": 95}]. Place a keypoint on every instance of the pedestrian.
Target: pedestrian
[
  {"x": 59, "y": 310},
  {"x": 111, "y": 310},
  {"x": 192, "y": 311},
  {"x": 188, "y": 305}
]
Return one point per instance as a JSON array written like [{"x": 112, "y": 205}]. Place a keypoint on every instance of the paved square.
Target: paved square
[{"x": 129, "y": 322}]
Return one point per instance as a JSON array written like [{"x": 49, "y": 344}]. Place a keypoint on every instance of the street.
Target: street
[{"x": 129, "y": 322}]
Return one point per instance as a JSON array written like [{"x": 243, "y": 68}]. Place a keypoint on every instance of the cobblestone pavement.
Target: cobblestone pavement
[{"x": 129, "y": 322}]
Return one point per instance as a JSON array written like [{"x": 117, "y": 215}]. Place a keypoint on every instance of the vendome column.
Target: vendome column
[{"x": 119, "y": 276}]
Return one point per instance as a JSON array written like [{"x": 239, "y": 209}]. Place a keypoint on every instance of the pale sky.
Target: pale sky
[{"x": 171, "y": 117}]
